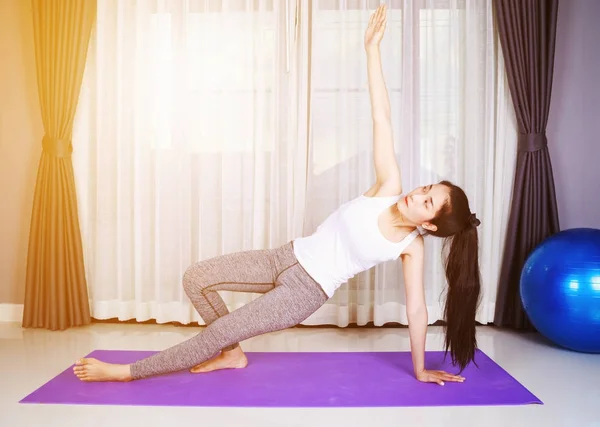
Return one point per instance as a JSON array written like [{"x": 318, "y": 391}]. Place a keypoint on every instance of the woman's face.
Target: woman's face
[{"x": 422, "y": 204}]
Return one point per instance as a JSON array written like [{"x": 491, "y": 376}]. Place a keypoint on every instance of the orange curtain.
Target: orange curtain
[{"x": 56, "y": 294}]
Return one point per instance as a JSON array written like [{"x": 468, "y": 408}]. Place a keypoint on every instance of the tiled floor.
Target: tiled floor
[{"x": 567, "y": 382}]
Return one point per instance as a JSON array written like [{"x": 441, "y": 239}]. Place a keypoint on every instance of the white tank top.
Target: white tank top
[{"x": 348, "y": 242}]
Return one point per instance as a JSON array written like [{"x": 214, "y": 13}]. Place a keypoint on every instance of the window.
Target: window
[
  {"x": 213, "y": 84},
  {"x": 341, "y": 109}
]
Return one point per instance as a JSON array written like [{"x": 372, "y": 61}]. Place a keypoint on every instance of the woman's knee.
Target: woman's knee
[{"x": 195, "y": 278}]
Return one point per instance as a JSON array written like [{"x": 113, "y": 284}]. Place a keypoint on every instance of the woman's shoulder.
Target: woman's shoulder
[{"x": 416, "y": 248}]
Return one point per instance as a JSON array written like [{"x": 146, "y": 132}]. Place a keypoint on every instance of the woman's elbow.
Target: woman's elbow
[{"x": 416, "y": 310}]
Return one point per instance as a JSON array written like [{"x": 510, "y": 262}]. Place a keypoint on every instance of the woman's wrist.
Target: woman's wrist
[
  {"x": 419, "y": 370},
  {"x": 372, "y": 48}
]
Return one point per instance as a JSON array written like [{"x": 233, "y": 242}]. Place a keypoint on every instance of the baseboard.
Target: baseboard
[{"x": 11, "y": 312}]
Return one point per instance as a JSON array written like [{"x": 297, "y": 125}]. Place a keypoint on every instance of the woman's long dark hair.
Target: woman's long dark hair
[{"x": 458, "y": 226}]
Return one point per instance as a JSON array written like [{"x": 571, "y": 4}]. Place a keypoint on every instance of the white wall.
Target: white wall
[{"x": 574, "y": 123}]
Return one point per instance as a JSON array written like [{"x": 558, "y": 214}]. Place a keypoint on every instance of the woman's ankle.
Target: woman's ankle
[{"x": 234, "y": 352}]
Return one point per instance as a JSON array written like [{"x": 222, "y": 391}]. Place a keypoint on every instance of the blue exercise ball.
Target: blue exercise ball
[{"x": 560, "y": 289}]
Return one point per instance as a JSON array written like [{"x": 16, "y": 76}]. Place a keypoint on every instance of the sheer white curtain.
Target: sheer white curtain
[
  {"x": 452, "y": 120},
  {"x": 212, "y": 126},
  {"x": 186, "y": 147}
]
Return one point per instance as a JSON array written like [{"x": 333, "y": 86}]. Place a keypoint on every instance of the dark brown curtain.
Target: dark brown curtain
[{"x": 527, "y": 30}]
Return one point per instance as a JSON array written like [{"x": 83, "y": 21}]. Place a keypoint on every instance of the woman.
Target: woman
[{"x": 299, "y": 277}]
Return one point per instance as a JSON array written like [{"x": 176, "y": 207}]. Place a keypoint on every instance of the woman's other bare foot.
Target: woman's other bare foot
[{"x": 91, "y": 369}]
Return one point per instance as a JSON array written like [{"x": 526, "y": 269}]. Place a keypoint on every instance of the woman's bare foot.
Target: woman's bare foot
[
  {"x": 233, "y": 359},
  {"x": 91, "y": 369}
]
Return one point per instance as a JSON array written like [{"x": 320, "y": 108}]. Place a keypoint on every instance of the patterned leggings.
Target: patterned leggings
[{"x": 290, "y": 296}]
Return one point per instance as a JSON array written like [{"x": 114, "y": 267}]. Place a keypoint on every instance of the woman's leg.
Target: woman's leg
[
  {"x": 288, "y": 304},
  {"x": 251, "y": 271}
]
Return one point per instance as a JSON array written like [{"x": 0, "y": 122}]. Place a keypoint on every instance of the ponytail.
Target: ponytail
[
  {"x": 458, "y": 226},
  {"x": 463, "y": 295}
]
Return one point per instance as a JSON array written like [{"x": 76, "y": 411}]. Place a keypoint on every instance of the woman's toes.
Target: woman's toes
[{"x": 84, "y": 361}]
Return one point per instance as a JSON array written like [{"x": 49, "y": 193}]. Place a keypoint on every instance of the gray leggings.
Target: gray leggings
[{"x": 290, "y": 296}]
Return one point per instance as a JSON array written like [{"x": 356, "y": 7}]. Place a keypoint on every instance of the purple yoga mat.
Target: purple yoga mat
[{"x": 373, "y": 379}]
